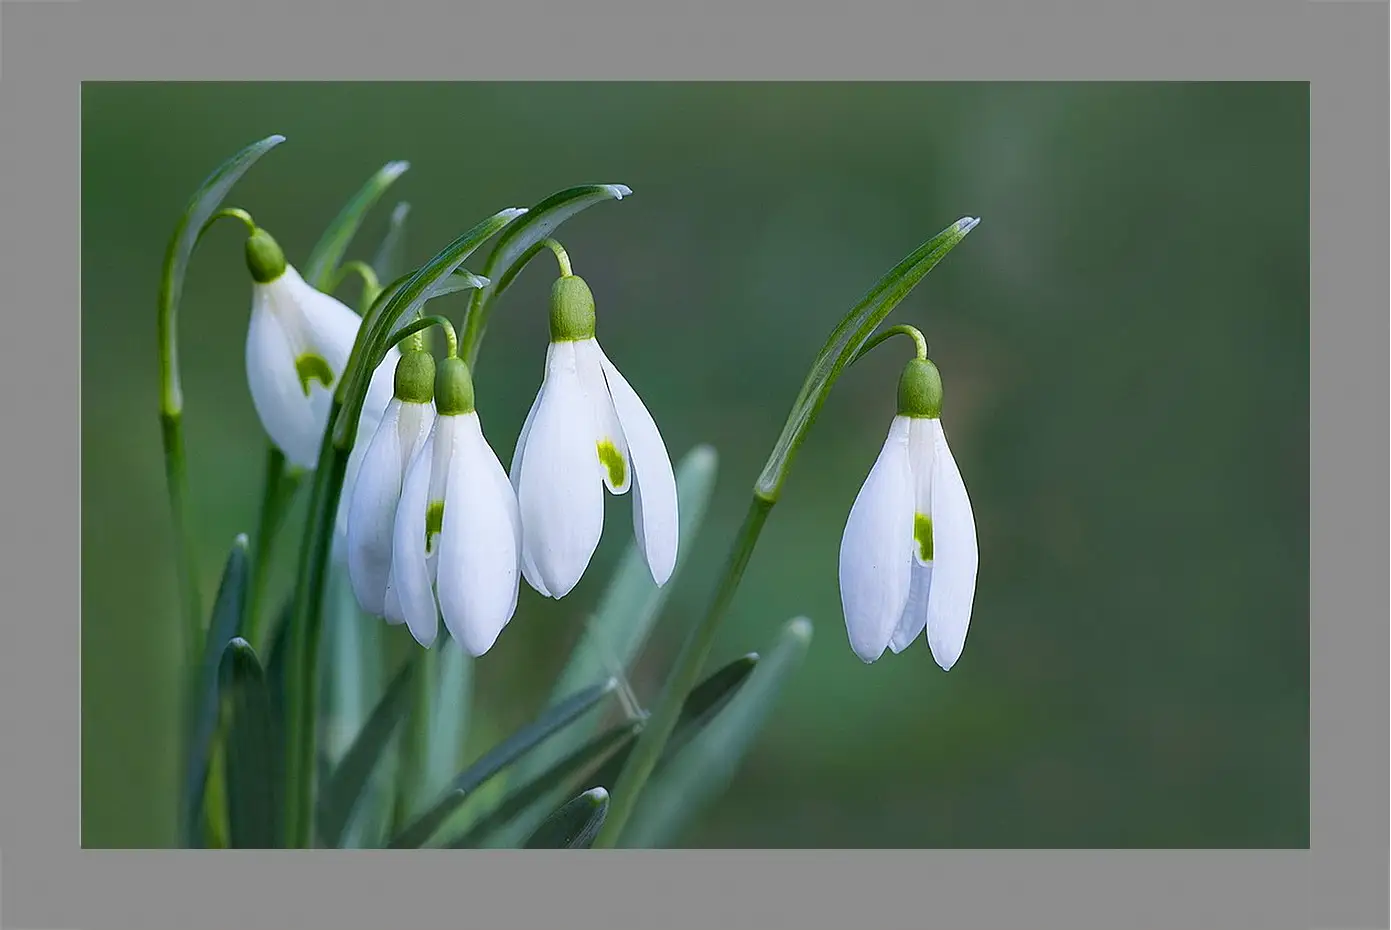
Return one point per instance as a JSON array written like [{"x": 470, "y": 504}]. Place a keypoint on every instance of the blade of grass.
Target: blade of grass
[{"x": 556, "y": 718}]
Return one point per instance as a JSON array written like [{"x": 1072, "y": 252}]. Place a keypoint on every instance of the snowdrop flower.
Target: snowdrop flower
[
  {"x": 371, "y": 501},
  {"x": 296, "y": 349},
  {"x": 456, "y": 537},
  {"x": 908, "y": 557},
  {"x": 587, "y": 430}
]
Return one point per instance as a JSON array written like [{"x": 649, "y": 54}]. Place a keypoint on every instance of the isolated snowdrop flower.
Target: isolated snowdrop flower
[
  {"x": 908, "y": 557},
  {"x": 456, "y": 538},
  {"x": 371, "y": 501},
  {"x": 587, "y": 430},
  {"x": 297, "y": 346}
]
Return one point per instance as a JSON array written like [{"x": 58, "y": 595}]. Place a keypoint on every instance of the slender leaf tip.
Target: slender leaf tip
[
  {"x": 394, "y": 169},
  {"x": 798, "y": 628},
  {"x": 967, "y": 223},
  {"x": 619, "y": 191}
]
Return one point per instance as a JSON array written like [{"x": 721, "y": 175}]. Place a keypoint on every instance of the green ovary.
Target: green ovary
[
  {"x": 434, "y": 521},
  {"x": 922, "y": 534},
  {"x": 311, "y": 367},
  {"x": 612, "y": 461}
]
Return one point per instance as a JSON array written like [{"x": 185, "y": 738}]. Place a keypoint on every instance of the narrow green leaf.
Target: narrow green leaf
[
  {"x": 255, "y": 770},
  {"x": 396, "y": 304},
  {"x": 226, "y": 617},
  {"x": 516, "y": 246},
  {"x": 449, "y": 718},
  {"x": 353, "y": 672},
  {"x": 575, "y": 825},
  {"x": 340, "y": 795},
  {"x": 277, "y": 664},
  {"x": 702, "y": 769},
  {"x": 847, "y": 338},
  {"x": 391, "y": 253},
  {"x": 556, "y": 718},
  {"x": 322, "y": 265},
  {"x": 553, "y": 779},
  {"x": 204, "y": 203},
  {"x": 703, "y": 702}
]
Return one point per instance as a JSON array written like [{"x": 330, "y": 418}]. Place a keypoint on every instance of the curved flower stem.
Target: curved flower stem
[
  {"x": 371, "y": 287},
  {"x": 685, "y": 673},
  {"x": 902, "y": 329},
  {"x": 562, "y": 258},
  {"x": 451, "y": 341}
]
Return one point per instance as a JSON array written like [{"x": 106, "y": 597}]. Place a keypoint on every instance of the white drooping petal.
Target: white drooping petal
[
  {"x": 480, "y": 543},
  {"x": 393, "y": 613},
  {"x": 291, "y": 321},
  {"x": 914, "y": 619},
  {"x": 875, "y": 559},
  {"x": 954, "y": 556},
  {"x": 291, "y": 420},
  {"x": 411, "y": 582},
  {"x": 559, "y": 488},
  {"x": 533, "y": 577},
  {"x": 380, "y": 392},
  {"x": 371, "y": 513},
  {"x": 655, "y": 519},
  {"x": 609, "y": 443}
]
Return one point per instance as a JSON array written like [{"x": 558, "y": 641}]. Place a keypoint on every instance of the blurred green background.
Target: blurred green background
[{"x": 1123, "y": 340}]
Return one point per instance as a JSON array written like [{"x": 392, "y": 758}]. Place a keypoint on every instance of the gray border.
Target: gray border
[{"x": 1339, "y": 47}]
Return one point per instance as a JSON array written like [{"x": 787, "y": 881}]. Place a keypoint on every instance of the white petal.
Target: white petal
[
  {"x": 326, "y": 325},
  {"x": 922, "y": 438},
  {"x": 609, "y": 439},
  {"x": 291, "y": 420},
  {"x": 479, "y": 543},
  {"x": 655, "y": 518},
  {"x": 559, "y": 488},
  {"x": 914, "y": 619},
  {"x": 533, "y": 577},
  {"x": 954, "y": 556},
  {"x": 410, "y": 569},
  {"x": 393, "y": 614},
  {"x": 375, "y": 495},
  {"x": 875, "y": 571}
]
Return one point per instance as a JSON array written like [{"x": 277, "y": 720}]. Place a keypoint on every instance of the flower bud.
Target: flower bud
[
  {"x": 415, "y": 377},
  {"x": 920, "y": 390},
  {"x": 453, "y": 388},
  {"x": 572, "y": 310},
  {"x": 264, "y": 257}
]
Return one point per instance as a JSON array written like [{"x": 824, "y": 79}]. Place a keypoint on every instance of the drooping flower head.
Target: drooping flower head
[
  {"x": 456, "y": 536},
  {"x": 297, "y": 346},
  {"x": 373, "y": 498},
  {"x": 908, "y": 557},
  {"x": 587, "y": 430}
]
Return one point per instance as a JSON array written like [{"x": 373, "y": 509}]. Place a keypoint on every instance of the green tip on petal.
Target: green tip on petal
[
  {"x": 453, "y": 388},
  {"x": 264, "y": 257},
  {"x": 613, "y": 463},
  {"x": 415, "y": 377},
  {"x": 922, "y": 535},
  {"x": 434, "y": 522},
  {"x": 920, "y": 390},
  {"x": 572, "y": 310},
  {"x": 311, "y": 367}
]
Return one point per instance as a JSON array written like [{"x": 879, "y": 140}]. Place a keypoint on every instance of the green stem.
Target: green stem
[
  {"x": 176, "y": 471},
  {"x": 279, "y": 487},
  {"x": 414, "y": 746},
  {"x": 562, "y": 258},
  {"x": 371, "y": 287},
  {"x": 302, "y": 690},
  {"x": 683, "y": 677},
  {"x": 902, "y": 329}
]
